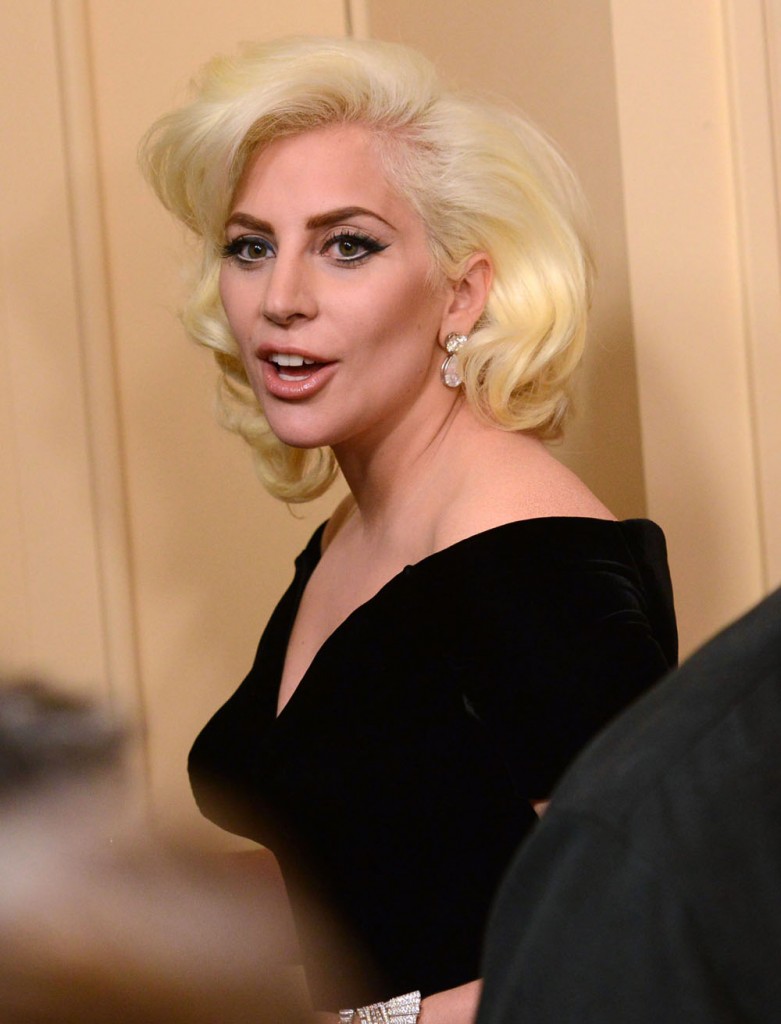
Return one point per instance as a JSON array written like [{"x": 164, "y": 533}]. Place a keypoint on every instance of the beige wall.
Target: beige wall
[
  {"x": 49, "y": 580},
  {"x": 140, "y": 557},
  {"x": 698, "y": 106}
]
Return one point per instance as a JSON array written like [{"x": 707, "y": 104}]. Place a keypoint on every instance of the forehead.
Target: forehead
[{"x": 330, "y": 167}]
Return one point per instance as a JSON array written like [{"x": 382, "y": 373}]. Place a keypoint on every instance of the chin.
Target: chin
[
  {"x": 305, "y": 426},
  {"x": 300, "y": 437}
]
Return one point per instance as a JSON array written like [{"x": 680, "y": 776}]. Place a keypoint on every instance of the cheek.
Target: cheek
[
  {"x": 411, "y": 305},
  {"x": 424, "y": 306},
  {"x": 233, "y": 298},
  {"x": 235, "y": 303},
  {"x": 223, "y": 287}
]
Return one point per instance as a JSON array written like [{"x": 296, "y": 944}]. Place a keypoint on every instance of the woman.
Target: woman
[{"x": 395, "y": 282}]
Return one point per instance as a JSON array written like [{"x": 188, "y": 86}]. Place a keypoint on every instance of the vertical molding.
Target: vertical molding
[
  {"x": 751, "y": 42},
  {"x": 683, "y": 241},
  {"x": 357, "y": 19},
  {"x": 50, "y": 567},
  {"x": 95, "y": 328}
]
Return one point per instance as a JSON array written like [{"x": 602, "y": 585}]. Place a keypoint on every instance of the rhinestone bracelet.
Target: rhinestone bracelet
[{"x": 399, "y": 1010}]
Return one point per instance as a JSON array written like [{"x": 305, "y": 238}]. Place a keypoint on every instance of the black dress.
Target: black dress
[{"x": 395, "y": 784}]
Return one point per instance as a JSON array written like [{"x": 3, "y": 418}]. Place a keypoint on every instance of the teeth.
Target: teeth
[{"x": 289, "y": 359}]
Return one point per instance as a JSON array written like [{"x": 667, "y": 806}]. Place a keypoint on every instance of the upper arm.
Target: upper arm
[{"x": 553, "y": 673}]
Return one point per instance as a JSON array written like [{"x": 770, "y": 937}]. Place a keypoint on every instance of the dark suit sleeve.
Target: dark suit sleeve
[{"x": 586, "y": 932}]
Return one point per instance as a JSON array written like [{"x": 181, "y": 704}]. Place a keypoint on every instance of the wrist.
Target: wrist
[{"x": 399, "y": 1010}]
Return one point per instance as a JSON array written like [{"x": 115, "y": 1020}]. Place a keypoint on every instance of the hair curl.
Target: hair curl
[{"x": 481, "y": 178}]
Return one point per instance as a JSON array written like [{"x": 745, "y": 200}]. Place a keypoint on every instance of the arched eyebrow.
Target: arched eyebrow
[
  {"x": 320, "y": 220},
  {"x": 331, "y": 217},
  {"x": 244, "y": 220}
]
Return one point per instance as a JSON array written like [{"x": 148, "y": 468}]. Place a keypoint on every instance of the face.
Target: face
[{"x": 327, "y": 285}]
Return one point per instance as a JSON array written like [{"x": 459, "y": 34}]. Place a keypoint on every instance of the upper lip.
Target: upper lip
[{"x": 271, "y": 353}]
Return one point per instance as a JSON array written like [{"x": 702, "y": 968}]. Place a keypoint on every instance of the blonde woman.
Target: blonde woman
[{"x": 395, "y": 283}]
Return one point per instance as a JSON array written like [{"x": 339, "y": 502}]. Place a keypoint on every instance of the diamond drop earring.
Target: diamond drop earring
[{"x": 451, "y": 375}]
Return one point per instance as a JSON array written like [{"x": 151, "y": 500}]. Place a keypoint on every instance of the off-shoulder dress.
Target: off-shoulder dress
[{"x": 395, "y": 785}]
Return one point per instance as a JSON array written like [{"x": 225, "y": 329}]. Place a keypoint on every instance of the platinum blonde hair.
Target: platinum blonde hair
[{"x": 483, "y": 180}]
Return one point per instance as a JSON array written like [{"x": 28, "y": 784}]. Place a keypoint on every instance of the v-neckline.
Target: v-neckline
[{"x": 310, "y": 557}]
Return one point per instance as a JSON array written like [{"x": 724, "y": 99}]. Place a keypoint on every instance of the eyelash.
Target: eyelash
[
  {"x": 233, "y": 249},
  {"x": 365, "y": 242}
]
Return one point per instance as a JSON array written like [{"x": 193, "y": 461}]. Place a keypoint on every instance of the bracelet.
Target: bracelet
[{"x": 399, "y": 1010}]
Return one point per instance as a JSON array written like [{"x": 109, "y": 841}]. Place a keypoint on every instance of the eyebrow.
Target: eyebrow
[
  {"x": 325, "y": 220},
  {"x": 320, "y": 220}
]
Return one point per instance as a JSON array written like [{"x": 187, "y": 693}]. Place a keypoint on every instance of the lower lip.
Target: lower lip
[{"x": 301, "y": 387}]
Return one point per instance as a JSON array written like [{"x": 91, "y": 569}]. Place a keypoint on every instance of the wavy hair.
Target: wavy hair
[{"x": 482, "y": 179}]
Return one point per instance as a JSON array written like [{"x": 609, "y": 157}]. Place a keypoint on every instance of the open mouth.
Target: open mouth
[{"x": 293, "y": 367}]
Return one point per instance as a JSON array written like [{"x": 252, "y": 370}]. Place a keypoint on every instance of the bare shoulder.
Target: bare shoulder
[{"x": 516, "y": 479}]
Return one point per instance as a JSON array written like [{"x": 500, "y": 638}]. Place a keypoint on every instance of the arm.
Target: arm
[
  {"x": 570, "y": 684},
  {"x": 455, "y": 1006}
]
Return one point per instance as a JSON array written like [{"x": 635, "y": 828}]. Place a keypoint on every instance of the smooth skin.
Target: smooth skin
[{"x": 327, "y": 266}]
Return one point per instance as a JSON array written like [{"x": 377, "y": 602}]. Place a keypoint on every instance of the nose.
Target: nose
[{"x": 289, "y": 294}]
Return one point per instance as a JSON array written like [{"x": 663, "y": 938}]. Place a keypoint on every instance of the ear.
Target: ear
[{"x": 468, "y": 295}]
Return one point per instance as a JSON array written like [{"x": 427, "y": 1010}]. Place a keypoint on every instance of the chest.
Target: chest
[{"x": 336, "y": 588}]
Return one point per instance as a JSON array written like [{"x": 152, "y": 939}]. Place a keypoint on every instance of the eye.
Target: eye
[
  {"x": 351, "y": 247},
  {"x": 348, "y": 248},
  {"x": 248, "y": 249}
]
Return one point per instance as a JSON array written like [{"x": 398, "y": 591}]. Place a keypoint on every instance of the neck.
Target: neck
[{"x": 411, "y": 471}]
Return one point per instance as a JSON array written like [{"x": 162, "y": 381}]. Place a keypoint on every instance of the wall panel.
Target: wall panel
[
  {"x": 753, "y": 46},
  {"x": 687, "y": 298},
  {"x": 52, "y": 617}
]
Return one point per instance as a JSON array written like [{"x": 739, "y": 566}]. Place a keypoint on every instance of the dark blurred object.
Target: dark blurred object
[
  {"x": 48, "y": 737},
  {"x": 101, "y": 919}
]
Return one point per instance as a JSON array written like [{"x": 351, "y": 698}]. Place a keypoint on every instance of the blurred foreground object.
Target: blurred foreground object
[{"x": 100, "y": 920}]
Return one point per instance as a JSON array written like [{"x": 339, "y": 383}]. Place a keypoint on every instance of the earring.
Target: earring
[{"x": 451, "y": 375}]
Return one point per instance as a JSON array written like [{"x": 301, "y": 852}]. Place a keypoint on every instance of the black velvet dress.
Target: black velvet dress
[{"x": 395, "y": 784}]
